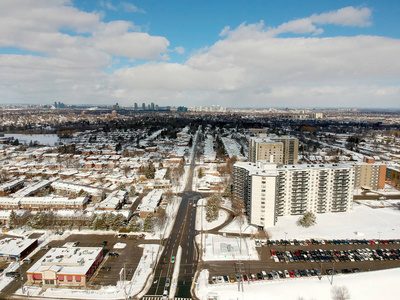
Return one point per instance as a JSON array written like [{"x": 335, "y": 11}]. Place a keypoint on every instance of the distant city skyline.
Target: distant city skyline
[{"x": 254, "y": 54}]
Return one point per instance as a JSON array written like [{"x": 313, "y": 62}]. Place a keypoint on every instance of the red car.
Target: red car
[
  {"x": 245, "y": 277},
  {"x": 291, "y": 274}
]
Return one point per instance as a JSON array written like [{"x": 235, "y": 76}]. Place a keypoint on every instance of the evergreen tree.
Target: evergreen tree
[
  {"x": 14, "y": 219},
  {"x": 308, "y": 219},
  {"x": 212, "y": 208},
  {"x": 134, "y": 224},
  {"x": 132, "y": 191},
  {"x": 148, "y": 222}
]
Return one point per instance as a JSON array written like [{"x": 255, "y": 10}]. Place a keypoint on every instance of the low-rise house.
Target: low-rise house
[
  {"x": 32, "y": 189},
  {"x": 150, "y": 203},
  {"x": 114, "y": 201},
  {"x": 11, "y": 186},
  {"x": 73, "y": 190}
]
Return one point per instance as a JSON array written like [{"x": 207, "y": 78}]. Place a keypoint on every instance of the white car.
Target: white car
[
  {"x": 165, "y": 294},
  {"x": 286, "y": 272}
]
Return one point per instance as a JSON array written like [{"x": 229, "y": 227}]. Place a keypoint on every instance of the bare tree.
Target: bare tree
[{"x": 340, "y": 293}]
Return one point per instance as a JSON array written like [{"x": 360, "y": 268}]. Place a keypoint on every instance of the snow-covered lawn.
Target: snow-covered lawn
[
  {"x": 360, "y": 222},
  {"x": 165, "y": 230},
  {"x": 201, "y": 222},
  {"x": 237, "y": 226},
  {"x": 217, "y": 247},
  {"x": 368, "y": 285}
]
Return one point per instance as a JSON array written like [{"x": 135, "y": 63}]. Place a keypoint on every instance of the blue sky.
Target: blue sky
[{"x": 232, "y": 53}]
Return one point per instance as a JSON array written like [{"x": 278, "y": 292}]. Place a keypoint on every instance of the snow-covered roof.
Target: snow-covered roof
[
  {"x": 48, "y": 200},
  {"x": 30, "y": 189},
  {"x": 113, "y": 200},
  {"x": 14, "y": 246},
  {"x": 67, "y": 260},
  {"x": 10, "y": 184},
  {"x": 150, "y": 201},
  {"x": 76, "y": 188}
]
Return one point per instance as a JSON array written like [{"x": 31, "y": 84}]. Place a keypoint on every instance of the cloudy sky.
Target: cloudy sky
[{"x": 235, "y": 53}]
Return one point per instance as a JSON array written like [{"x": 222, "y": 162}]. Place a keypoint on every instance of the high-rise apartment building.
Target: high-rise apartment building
[
  {"x": 278, "y": 149},
  {"x": 370, "y": 176},
  {"x": 269, "y": 192}
]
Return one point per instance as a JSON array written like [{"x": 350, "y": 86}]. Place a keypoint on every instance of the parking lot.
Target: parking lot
[{"x": 303, "y": 259}]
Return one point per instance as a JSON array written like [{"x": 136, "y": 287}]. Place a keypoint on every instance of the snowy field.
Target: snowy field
[
  {"x": 201, "y": 222},
  {"x": 239, "y": 226},
  {"x": 368, "y": 285},
  {"x": 360, "y": 222},
  {"x": 218, "y": 247}
]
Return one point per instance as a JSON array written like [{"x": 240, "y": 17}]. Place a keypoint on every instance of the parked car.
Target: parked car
[
  {"x": 264, "y": 274},
  {"x": 104, "y": 243},
  {"x": 76, "y": 243},
  {"x": 287, "y": 275},
  {"x": 331, "y": 272},
  {"x": 113, "y": 254},
  {"x": 105, "y": 268},
  {"x": 28, "y": 260},
  {"x": 214, "y": 279},
  {"x": 13, "y": 274},
  {"x": 47, "y": 247}
]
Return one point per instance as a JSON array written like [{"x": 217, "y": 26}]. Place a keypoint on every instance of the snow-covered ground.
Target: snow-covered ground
[
  {"x": 165, "y": 230},
  {"x": 201, "y": 222},
  {"x": 239, "y": 225},
  {"x": 360, "y": 222},
  {"x": 217, "y": 247},
  {"x": 368, "y": 285}
]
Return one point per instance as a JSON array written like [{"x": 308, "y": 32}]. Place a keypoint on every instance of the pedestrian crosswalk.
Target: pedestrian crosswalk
[{"x": 160, "y": 297}]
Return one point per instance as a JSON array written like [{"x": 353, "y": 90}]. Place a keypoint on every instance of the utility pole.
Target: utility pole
[
  {"x": 379, "y": 240},
  {"x": 285, "y": 240}
]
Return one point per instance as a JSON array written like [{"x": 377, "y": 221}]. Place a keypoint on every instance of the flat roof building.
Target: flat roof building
[
  {"x": 69, "y": 266},
  {"x": 14, "y": 249}
]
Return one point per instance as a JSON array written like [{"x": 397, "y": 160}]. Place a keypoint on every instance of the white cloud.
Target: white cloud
[
  {"x": 347, "y": 16},
  {"x": 180, "y": 50},
  {"x": 108, "y": 5},
  {"x": 251, "y": 66},
  {"x": 129, "y": 7}
]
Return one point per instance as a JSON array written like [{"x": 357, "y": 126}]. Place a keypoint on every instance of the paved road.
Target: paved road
[{"x": 183, "y": 234}]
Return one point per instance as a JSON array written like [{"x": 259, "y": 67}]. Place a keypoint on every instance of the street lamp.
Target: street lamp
[
  {"x": 285, "y": 241},
  {"x": 379, "y": 240}
]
